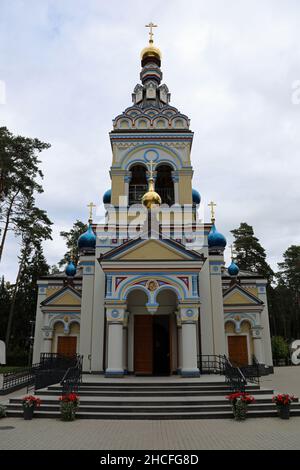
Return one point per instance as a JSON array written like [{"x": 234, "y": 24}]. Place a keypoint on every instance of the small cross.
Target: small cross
[
  {"x": 91, "y": 206},
  {"x": 232, "y": 250},
  {"x": 151, "y": 26},
  {"x": 150, "y": 164},
  {"x": 212, "y": 210}
]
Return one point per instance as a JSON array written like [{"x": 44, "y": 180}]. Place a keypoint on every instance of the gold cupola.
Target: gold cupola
[
  {"x": 151, "y": 52},
  {"x": 151, "y": 198}
]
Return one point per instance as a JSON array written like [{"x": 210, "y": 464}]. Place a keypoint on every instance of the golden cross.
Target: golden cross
[
  {"x": 151, "y": 26},
  {"x": 151, "y": 163},
  {"x": 212, "y": 210},
  {"x": 91, "y": 206}
]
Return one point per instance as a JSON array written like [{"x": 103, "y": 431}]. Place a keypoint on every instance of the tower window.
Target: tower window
[
  {"x": 164, "y": 185},
  {"x": 138, "y": 184}
]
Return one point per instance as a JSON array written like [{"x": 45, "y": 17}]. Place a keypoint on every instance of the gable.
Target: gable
[
  {"x": 239, "y": 296},
  {"x": 66, "y": 299},
  {"x": 65, "y": 296},
  {"x": 152, "y": 250}
]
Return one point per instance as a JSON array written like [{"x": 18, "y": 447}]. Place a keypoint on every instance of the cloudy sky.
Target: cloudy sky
[{"x": 69, "y": 67}]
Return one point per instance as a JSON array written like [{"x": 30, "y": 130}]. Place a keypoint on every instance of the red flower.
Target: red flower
[
  {"x": 242, "y": 396},
  {"x": 31, "y": 400},
  {"x": 283, "y": 399},
  {"x": 69, "y": 398}
]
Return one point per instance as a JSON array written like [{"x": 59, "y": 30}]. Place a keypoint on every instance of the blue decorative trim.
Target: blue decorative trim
[
  {"x": 190, "y": 373},
  {"x": 87, "y": 263},
  {"x": 114, "y": 373},
  {"x": 216, "y": 262}
]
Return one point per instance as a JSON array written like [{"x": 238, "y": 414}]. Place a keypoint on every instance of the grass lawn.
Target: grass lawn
[{"x": 4, "y": 369}]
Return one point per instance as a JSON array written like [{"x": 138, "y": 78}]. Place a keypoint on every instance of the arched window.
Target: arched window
[
  {"x": 138, "y": 184},
  {"x": 164, "y": 185}
]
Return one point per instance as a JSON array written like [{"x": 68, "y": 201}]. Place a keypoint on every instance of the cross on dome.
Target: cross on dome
[{"x": 151, "y": 26}]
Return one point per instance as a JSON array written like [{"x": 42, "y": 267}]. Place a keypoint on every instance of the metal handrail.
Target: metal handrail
[
  {"x": 48, "y": 371},
  {"x": 73, "y": 377}
]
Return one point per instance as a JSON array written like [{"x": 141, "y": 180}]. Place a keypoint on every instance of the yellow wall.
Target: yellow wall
[
  {"x": 185, "y": 189},
  {"x": 152, "y": 250},
  {"x": 118, "y": 188},
  {"x": 67, "y": 299}
]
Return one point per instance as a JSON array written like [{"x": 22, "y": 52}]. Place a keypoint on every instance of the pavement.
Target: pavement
[{"x": 258, "y": 433}]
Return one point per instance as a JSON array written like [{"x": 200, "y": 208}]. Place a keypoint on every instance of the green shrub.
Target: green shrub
[
  {"x": 2, "y": 411},
  {"x": 280, "y": 349}
]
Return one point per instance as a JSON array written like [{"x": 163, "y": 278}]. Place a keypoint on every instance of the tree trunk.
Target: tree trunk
[
  {"x": 7, "y": 224},
  {"x": 13, "y": 301}
]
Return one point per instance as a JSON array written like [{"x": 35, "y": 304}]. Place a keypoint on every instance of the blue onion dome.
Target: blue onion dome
[
  {"x": 70, "y": 269},
  {"x": 107, "y": 197},
  {"x": 87, "y": 239},
  {"x": 215, "y": 238},
  {"x": 233, "y": 269},
  {"x": 196, "y": 197}
]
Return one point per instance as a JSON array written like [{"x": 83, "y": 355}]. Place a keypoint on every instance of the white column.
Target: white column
[
  {"x": 189, "y": 342},
  {"x": 258, "y": 346},
  {"x": 115, "y": 361},
  {"x": 87, "y": 262},
  {"x": 125, "y": 343},
  {"x": 47, "y": 340},
  {"x": 39, "y": 323},
  {"x": 179, "y": 342},
  {"x": 215, "y": 264}
]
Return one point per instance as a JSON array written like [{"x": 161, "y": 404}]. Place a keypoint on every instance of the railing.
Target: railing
[
  {"x": 211, "y": 364},
  {"x": 72, "y": 379},
  {"x": 234, "y": 377},
  {"x": 136, "y": 192},
  {"x": 50, "y": 370},
  {"x": 218, "y": 364},
  {"x": 250, "y": 372}
]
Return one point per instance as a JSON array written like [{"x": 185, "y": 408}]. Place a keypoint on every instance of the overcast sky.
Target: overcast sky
[{"x": 70, "y": 66}]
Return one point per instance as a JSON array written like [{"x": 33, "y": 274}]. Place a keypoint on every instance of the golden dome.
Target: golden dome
[
  {"x": 151, "y": 198},
  {"x": 150, "y": 51}
]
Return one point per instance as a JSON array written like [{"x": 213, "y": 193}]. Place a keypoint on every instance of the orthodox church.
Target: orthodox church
[{"x": 150, "y": 294}]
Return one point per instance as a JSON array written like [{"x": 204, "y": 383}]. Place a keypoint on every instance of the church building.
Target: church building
[{"x": 150, "y": 294}]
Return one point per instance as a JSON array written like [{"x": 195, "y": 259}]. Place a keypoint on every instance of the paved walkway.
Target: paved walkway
[{"x": 264, "y": 433}]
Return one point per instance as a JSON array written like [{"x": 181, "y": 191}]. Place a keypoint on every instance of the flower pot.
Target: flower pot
[
  {"x": 284, "y": 411},
  {"x": 68, "y": 412},
  {"x": 240, "y": 411},
  {"x": 28, "y": 412}
]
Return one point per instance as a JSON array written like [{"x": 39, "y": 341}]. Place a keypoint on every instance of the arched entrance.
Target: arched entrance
[{"x": 152, "y": 337}]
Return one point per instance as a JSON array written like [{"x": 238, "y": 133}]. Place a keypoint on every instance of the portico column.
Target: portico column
[
  {"x": 115, "y": 320},
  {"x": 125, "y": 343},
  {"x": 189, "y": 316},
  {"x": 179, "y": 342},
  {"x": 258, "y": 346},
  {"x": 47, "y": 340}
]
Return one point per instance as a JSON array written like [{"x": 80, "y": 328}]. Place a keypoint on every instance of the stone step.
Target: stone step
[
  {"x": 194, "y": 388},
  {"x": 153, "y": 402},
  {"x": 166, "y": 408},
  {"x": 160, "y": 393},
  {"x": 154, "y": 416}
]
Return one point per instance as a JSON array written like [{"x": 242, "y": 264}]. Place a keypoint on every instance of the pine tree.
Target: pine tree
[
  {"x": 71, "y": 239},
  {"x": 19, "y": 178},
  {"x": 250, "y": 255}
]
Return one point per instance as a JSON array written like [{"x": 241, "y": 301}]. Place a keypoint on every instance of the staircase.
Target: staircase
[{"x": 152, "y": 399}]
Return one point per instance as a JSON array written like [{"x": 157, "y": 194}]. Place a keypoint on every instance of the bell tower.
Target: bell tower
[{"x": 151, "y": 132}]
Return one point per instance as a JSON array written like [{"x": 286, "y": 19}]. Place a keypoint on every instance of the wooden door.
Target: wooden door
[
  {"x": 66, "y": 345},
  {"x": 238, "y": 350},
  {"x": 143, "y": 344}
]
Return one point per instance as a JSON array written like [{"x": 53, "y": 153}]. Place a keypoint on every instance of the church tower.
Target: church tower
[{"x": 150, "y": 294}]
